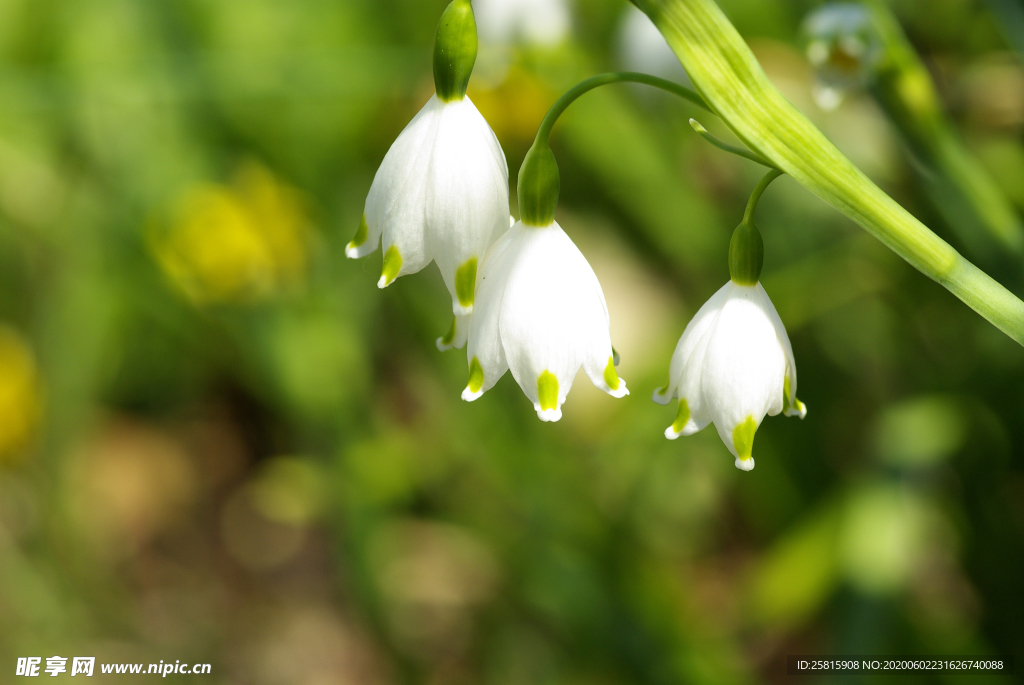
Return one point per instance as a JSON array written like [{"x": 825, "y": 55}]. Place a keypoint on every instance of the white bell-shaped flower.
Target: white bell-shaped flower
[
  {"x": 540, "y": 313},
  {"x": 441, "y": 194},
  {"x": 733, "y": 365}
]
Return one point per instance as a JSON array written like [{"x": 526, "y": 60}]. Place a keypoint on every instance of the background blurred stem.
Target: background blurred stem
[
  {"x": 728, "y": 76},
  {"x": 903, "y": 87}
]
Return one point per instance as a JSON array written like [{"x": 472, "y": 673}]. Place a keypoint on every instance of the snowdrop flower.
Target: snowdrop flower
[
  {"x": 734, "y": 362},
  {"x": 541, "y": 22},
  {"x": 541, "y": 314},
  {"x": 441, "y": 193},
  {"x": 844, "y": 48}
]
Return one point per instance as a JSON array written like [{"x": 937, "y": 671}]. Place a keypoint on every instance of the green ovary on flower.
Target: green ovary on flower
[
  {"x": 743, "y": 438},
  {"x": 539, "y": 186},
  {"x": 547, "y": 391},
  {"x": 746, "y": 255},
  {"x": 455, "y": 51},
  {"x": 465, "y": 282},
  {"x": 476, "y": 374}
]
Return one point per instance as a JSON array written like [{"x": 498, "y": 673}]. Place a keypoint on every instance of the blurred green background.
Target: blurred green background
[{"x": 221, "y": 443}]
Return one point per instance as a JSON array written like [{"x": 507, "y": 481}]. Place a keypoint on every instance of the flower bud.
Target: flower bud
[
  {"x": 746, "y": 254},
  {"x": 455, "y": 51},
  {"x": 539, "y": 185}
]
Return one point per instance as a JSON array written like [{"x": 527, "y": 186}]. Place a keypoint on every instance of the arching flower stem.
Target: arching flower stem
[
  {"x": 755, "y": 197},
  {"x": 584, "y": 87},
  {"x": 539, "y": 182}
]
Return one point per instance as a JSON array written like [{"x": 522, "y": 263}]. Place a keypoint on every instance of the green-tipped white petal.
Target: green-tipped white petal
[
  {"x": 484, "y": 348},
  {"x": 467, "y": 199},
  {"x": 455, "y": 338},
  {"x": 397, "y": 194}
]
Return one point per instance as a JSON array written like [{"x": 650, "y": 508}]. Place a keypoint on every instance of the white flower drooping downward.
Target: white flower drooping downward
[
  {"x": 441, "y": 193},
  {"x": 732, "y": 366},
  {"x": 734, "y": 362},
  {"x": 541, "y": 314}
]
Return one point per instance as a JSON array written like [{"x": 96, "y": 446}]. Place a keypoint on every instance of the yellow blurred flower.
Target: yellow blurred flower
[
  {"x": 242, "y": 242},
  {"x": 516, "y": 107},
  {"x": 20, "y": 400}
]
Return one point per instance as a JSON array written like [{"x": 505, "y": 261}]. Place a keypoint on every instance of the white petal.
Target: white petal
[
  {"x": 467, "y": 194},
  {"x": 794, "y": 407},
  {"x": 456, "y": 336},
  {"x": 692, "y": 336},
  {"x": 745, "y": 464},
  {"x": 600, "y": 368},
  {"x": 553, "y": 317},
  {"x": 405, "y": 224},
  {"x": 397, "y": 190},
  {"x": 687, "y": 370},
  {"x": 484, "y": 340}
]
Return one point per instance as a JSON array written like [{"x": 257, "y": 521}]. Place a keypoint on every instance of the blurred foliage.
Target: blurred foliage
[{"x": 220, "y": 442}]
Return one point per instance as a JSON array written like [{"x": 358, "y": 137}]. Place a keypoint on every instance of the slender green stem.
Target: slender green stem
[
  {"x": 752, "y": 156},
  {"x": 539, "y": 180},
  {"x": 755, "y": 197},
  {"x": 573, "y": 94}
]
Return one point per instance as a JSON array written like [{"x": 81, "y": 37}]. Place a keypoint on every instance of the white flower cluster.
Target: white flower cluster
[
  {"x": 526, "y": 300},
  {"x": 525, "y": 297}
]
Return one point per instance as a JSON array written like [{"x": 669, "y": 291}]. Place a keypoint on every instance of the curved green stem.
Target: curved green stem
[
  {"x": 539, "y": 180},
  {"x": 755, "y": 197},
  {"x": 583, "y": 87}
]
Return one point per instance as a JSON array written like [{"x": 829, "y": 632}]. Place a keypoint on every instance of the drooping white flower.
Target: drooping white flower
[
  {"x": 733, "y": 365},
  {"x": 441, "y": 194},
  {"x": 844, "y": 47},
  {"x": 542, "y": 22},
  {"x": 541, "y": 314}
]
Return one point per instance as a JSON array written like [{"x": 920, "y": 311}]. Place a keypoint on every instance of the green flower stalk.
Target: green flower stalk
[
  {"x": 746, "y": 249},
  {"x": 539, "y": 180},
  {"x": 729, "y": 78},
  {"x": 898, "y": 80}
]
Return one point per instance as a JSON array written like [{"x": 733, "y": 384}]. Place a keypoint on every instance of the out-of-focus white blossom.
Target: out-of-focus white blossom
[{"x": 540, "y": 22}]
